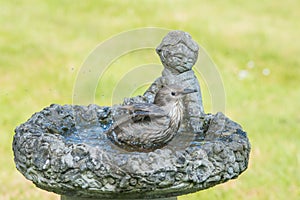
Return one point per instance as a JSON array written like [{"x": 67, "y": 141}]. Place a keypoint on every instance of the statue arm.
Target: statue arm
[
  {"x": 148, "y": 96},
  {"x": 153, "y": 89}
]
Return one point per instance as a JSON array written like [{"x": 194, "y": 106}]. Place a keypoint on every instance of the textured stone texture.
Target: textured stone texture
[
  {"x": 79, "y": 198},
  {"x": 64, "y": 149}
]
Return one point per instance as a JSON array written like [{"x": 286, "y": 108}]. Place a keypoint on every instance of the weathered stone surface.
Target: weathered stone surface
[
  {"x": 65, "y": 149},
  {"x": 178, "y": 53},
  {"x": 76, "y": 158}
]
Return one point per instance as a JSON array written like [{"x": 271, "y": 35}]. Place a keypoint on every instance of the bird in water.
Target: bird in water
[{"x": 146, "y": 126}]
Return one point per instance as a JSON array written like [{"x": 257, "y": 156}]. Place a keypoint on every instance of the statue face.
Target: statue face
[{"x": 178, "y": 58}]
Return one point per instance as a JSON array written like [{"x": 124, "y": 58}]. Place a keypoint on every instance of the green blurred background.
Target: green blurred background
[{"x": 255, "y": 45}]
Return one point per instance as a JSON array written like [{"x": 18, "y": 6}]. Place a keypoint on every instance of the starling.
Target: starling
[{"x": 146, "y": 126}]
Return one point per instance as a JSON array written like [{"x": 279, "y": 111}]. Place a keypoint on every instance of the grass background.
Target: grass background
[{"x": 44, "y": 43}]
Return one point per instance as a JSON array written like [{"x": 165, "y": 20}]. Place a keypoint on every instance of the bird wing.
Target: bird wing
[
  {"x": 141, "y": 110},
  {"x": 139, "y": 125},
  {"x": 138, "y": 112}
]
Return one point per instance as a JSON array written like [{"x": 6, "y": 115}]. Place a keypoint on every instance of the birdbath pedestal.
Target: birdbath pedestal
[{"x": 78, "y": 198}]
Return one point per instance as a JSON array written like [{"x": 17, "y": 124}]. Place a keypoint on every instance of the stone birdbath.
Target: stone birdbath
[{"x": 67, "y": 149}]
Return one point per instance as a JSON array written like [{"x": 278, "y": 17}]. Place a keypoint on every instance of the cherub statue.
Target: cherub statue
[{"x": 178, "y": 54}]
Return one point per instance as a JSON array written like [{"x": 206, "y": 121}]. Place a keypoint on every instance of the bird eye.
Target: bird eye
[{"x": 173, "y": 93}]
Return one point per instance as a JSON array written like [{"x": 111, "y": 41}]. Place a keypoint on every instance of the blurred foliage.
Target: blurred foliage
[{"x": 255, "y": 45}]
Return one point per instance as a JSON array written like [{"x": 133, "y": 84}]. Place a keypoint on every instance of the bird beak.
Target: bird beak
[{"x": 188, "y": 91}]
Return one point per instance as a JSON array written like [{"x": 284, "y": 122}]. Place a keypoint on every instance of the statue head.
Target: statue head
[{"x": 178, "y": 52}]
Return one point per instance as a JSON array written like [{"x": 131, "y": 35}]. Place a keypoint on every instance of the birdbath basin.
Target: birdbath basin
[{"x": 65, "y": 149}]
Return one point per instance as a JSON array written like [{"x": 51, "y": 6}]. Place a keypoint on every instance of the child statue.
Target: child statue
[{"x": 178, "y": 54}]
